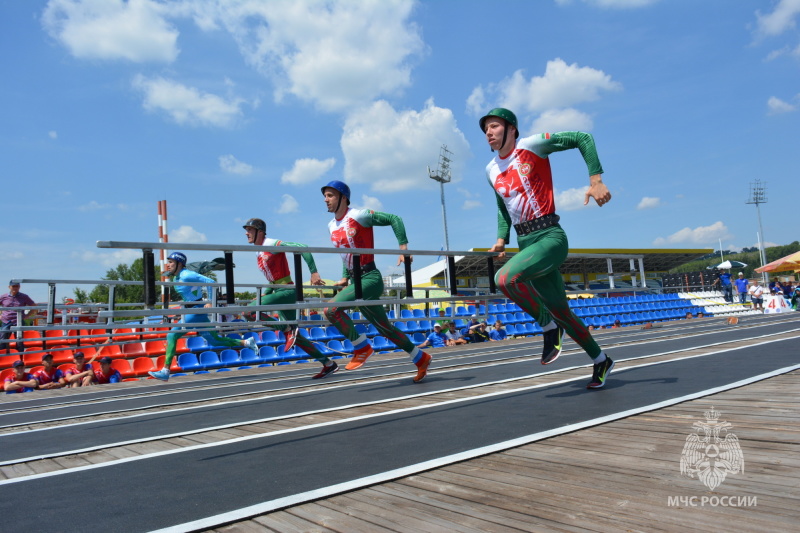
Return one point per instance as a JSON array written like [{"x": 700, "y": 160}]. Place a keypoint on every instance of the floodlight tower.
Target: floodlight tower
[
  {"x": 758, "y": 195},
  {"x": 442, "y": 175}
]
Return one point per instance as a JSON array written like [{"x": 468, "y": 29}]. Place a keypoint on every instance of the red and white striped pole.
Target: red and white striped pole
[{"x": 163, "y": 238}]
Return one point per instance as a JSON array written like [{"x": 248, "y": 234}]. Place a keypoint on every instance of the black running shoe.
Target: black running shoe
[
  {"x": 600, "y": 373},
  {"x": 326, "y": 371},
  {"x": 552, "y": 345}
]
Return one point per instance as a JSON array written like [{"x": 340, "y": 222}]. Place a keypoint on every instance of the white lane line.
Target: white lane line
[{"x": 355, "y": 419}]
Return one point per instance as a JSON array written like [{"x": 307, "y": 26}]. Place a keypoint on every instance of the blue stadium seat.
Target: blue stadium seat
[
  {"x": 418, "y": 313},
  {"x": 267, "y": 355},
  {"x": 336, "y": 347},
  {"x": 229, "y": 357},
  {"x": 333, "y": 334},
  {"x": 248, "y": 356},
  {"x": 406, "y": 314},
  {"x": 348, "y": 346},
  {"x": 188, "y": 362},
  {"x": 418, "y": 338},
  {"x": 196, "y": 344},
  {"x": 271, "y": 338},
  {"x": 318, "y": 334}
]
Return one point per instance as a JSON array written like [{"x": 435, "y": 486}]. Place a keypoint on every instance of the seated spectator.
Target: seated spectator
[
  {"x": 106, "y": 373},
  {"x": 81, "y": 373},
  {"x": 700, "y": 314},
  {"x": 49, "y": 377},
  {"x": 756, "y": 294},
  {"x": 478, "y": 333},
  {"x": 436, "y": 339},
  {"x": 498, "y": 333},
  {"x": 454, "y": 336},
  {"x": 689, "y": 314},
  {"x": 590, "y": 328},
  {"x": 795, "y": 297},
  {"x": 442, "y": 320},
  {"x": 19, "y": 381},
  {"x": 617, "y": 324}
]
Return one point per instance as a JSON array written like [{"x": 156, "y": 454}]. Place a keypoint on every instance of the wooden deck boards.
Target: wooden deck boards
[{"x": 614, "y": 477}]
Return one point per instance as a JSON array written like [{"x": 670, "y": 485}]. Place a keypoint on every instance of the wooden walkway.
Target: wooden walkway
[{"x": 615, "y": 477}]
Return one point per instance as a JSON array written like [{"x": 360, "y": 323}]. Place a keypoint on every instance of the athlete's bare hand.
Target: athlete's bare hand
[
  {"x": 402, "y": 258},
  {"x": 344, "y": 282},
  {"x": 500, "y": 246},
  {"x": 598, "y": 191},
  {"x": 316, "y": 279}
]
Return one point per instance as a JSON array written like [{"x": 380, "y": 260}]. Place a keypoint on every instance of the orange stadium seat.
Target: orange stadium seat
[
  {"x": 31, "y": 339},
  {"x": 155, "y": 348},
  {"x": 63, "y": 354},
  {"x": 6, "y": 373},
  {"x": 172, "y": 368},
  {"x": 112, "y": 350},
  {"x": 54, "y": 334},
  {"x": 133, "y": 350},
  {"x": 7, "y": 360},
  {"x": 124, "y": 367},
  {"x": 155, "y": 333},
  {"x": 142, "y": 365},
  {"x": 125, "y": 335}
]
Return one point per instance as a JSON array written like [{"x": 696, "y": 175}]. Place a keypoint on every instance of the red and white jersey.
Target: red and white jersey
[
  {"x": 274, "y": 266},
  {"x": 353, "y": 230},
  {"x": 523, "y": 180}
]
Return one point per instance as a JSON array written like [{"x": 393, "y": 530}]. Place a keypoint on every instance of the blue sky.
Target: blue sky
[{"x": 239, "y": 109}]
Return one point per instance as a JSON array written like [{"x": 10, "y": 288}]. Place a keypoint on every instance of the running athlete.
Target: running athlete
[
  {"x": 352, "y": 228},
  {"x": 521, "y": 178},
  {"x": 275, "y": 268},
  {"x": 176, "y": 270}
]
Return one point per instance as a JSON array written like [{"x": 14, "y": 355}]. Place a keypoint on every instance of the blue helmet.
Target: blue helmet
[
  {"x": 340, "y": 186},
  {"x": 178, "y": 257}
]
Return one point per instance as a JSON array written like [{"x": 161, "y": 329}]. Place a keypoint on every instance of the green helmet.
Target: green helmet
[{"x": 503, "y": 113}]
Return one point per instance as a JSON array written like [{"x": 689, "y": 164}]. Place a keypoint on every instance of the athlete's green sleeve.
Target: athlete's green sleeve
[
  {"x": 307, "y": 257},
  {"x": 584, "y": 142},
  {"x": 503, "y": 220},
  {"x": 386, "y": 219}
]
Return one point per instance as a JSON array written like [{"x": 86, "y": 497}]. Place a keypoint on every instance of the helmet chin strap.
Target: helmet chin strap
[{"x": 505, "y": 136}]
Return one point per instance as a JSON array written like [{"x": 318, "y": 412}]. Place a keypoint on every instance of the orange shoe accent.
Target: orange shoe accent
[
  {"x": 360, "y": 357},
  {"x": 422, "y": 367}
]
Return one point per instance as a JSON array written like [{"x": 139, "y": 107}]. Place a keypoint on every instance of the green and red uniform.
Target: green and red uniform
[{"x": 523, "y": 184}]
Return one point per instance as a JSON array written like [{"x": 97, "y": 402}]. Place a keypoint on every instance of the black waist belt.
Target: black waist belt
[
  {"x": 369, "y": 267},
  {"x": 535, "y": 224}
]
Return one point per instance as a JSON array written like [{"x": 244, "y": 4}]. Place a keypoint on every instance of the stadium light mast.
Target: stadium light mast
[
  {"x": 442, "y": 175},
  {"x": 758, "y": 195}
]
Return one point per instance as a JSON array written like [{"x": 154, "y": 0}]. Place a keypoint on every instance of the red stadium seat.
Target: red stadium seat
[
  {"x": 63, "y": 354},
  {"x": 31, "y": 339},
  {"x": 125, "y": 335},
  {"x": 124, "y": 367},
  {"x": 142, "y": 365},
  {"x": 155, "y": 348},
  {"x": 8, "y": 372},
  {"x": 7, "y": 360},
  {"x": 172, "y": 368},
  {"x": 133, "y": 350}
]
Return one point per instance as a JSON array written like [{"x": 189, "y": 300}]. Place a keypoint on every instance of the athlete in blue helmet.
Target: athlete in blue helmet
[
  {"x": 176, "y": 270},
  {"x": 352, "y": 228}
]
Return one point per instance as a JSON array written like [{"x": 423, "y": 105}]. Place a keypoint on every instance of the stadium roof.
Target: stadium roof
[{"x": 579, "y": 261}]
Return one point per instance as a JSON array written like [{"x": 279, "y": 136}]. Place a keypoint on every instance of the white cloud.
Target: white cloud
[
  {"x": 561, "y": 86},
  {"x": 288, "y": 205},
  {"x": 776, "y": 106},
  {"x": 52, "y": 134},
  {"x": 112, "y": 29},
  {"x": 572, "y": 199},
  {"x": 228, "y": 163},
  {"x": 93, "y": 206},
  {"x": 563, "y": 120},
  {"x": 307, "y": 171},
  {"x": 471, "y": 204},
  {"x": 391, "y": 150},
  {"x": 187, "y": 235},
  {"x": 187, "y": 105},
  {"x": 649, "y": 203},
  {"x": 336, "y": 55},
  {"x": 109, "y": 259},
  {"x": 780, "y": 20},
  {"x": 370, "y": 202},
  {"x": 701, "y": 235},
  {"x": 11, "y": 255}
]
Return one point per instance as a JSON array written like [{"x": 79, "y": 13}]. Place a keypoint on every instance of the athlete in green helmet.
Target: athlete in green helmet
[{"x": 521, "y": 178}]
